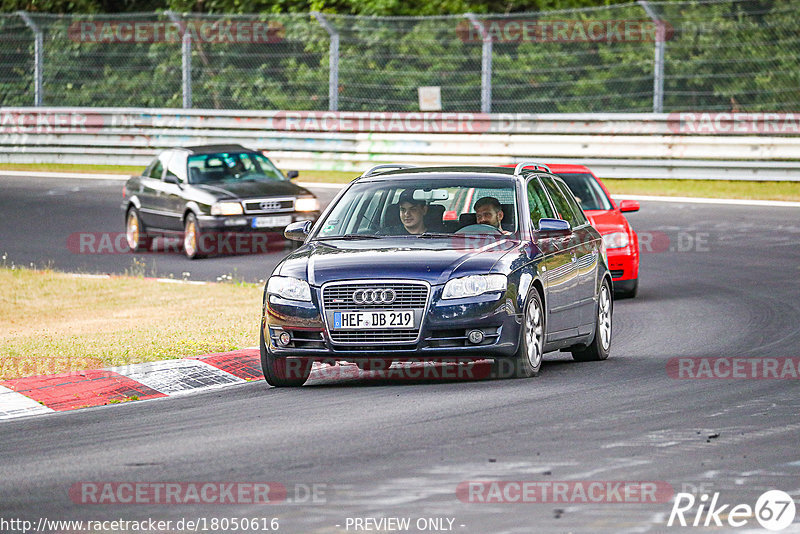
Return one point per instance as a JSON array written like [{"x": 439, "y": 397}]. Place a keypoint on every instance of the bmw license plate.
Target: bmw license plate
[
  {"x": 373, "y": 320},
  {"x": 272, "y": 222}
]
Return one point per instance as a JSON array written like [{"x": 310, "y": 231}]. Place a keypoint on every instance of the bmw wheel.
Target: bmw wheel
[
  {"x": 136, "y": 233},
  {"x": 599, "y": 348},
  {"x": 283, "y": 372}
]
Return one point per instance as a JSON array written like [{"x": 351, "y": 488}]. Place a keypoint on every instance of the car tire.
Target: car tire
[
  {"x": 280, "y": 372},
  {"x": 136, "y": 232},
  {"x": 600, "y": 346},
  {"x": 626, "y": 289},
  {"x": 192, "y": 238},
  {"x": 528, "y": 360}
]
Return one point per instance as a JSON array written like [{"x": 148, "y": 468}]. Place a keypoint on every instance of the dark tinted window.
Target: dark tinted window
[
  {"x": 538, "y": 205},
  {"x": 563, "y": 209},
  {"x": 580, "y": 217},
  {"x": 155, "y": 170},
  {"x": 586, "y": 189}
]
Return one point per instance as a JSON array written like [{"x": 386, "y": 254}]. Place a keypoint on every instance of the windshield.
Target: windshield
[
  {"x": 587, "y": 191},
  {"x": 232, "y": 167},
  {"x": 425, "y": 207}
]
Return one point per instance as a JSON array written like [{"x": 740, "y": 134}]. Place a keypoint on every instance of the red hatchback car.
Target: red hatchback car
[{"x": 606, "y": 215}]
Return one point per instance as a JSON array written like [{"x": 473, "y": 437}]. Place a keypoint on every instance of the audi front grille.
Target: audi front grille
[
  {"x": 407, "y": 296},
  {"x": 268, "y": 205}
]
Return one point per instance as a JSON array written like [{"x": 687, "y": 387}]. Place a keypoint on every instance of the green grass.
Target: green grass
[
  {"x": 67, "y": 167},
  {"x": 52, "y": 322},
  {"x": 680, "y": 188},
  {"x": 708, "y": 189}
]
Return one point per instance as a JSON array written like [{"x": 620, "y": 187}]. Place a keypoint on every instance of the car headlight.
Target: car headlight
[
  {"x": 227, "y": 208},
  {"x": 289, "y": 288},
  {"x": 306, "y": 204},
  {"x": 616, "y": 240},
  {"x": 470, "y": 286}
]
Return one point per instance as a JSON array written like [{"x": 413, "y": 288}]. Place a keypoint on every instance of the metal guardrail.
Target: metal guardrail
[{"x": 681, "y": 145}]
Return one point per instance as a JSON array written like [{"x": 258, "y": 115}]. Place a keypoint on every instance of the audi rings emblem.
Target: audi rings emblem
[
  {"x": 374, "y": 296},
  {"x": 270, "y": 205}
]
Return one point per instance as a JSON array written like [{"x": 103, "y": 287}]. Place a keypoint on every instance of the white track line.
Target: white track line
[{"x": 727, "y": 201}]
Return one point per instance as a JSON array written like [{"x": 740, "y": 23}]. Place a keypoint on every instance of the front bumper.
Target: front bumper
[
  {"x": 442, "y": 334},
  {"x": 253, "y": 223},
  {"x": 623, "y": 263}
]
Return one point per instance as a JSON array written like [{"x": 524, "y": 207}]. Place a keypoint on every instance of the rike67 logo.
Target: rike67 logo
[{"x": 774, "y": 510}]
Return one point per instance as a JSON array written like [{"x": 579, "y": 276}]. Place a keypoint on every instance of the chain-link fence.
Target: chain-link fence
[{"x": 737, "y": 55}]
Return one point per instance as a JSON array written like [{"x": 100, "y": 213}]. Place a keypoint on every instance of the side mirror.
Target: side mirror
[
  {"x": 297, "y": 231},
  {"x": 171, "y": 179},
  {"x": 629, "y": 205},
  {"x": 292, "y": 174},
  {"x": 554, "y": 228}
]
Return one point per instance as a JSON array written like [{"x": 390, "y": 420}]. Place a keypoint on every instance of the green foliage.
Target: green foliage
[{"x": 737, "y": 55}]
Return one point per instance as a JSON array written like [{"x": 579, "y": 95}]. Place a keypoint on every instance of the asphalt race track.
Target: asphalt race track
[
  {"x": 42, "y": 221},
  {"x": 719, "y": 281}
]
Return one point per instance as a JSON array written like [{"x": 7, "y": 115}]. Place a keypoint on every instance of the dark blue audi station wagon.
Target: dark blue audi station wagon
[{"x": 440, "y": 264}]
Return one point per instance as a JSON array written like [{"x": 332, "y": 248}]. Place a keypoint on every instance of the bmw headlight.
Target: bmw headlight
[
  {"x": 470, "y": 286},
  {"x": 289, "y": 288},
  {"x": 616, "y": 240},
  {"x": 227, "y": 208},
  {"x": 306, "y": 204}
]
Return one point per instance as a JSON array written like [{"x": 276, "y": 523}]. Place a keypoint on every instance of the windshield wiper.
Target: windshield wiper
[
  {"x": 348, "y": 236},
  {"x": 436, "y": 234}
]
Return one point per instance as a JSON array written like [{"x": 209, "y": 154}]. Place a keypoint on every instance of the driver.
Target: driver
[
  {"x": 489, "y": 211},
  {"x": 412, "y": 214}
]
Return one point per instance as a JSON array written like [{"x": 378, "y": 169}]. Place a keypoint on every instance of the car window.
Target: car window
[
  {"x": 155, "y": 170},
  {"x": 538, "y": 205},
  {"x": 232, "y": 167},
  {"x": 563, "y": 209},
  {"x": 580, "y": 217},
  {"x": 177, "y": 165},
  {"x": 163, "y": 162},
  {"x": 446, "y": 206},
  {"x": 586, "y": 190}
]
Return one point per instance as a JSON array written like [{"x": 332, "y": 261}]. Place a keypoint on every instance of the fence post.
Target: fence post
[
  {"x": 486, "y": 63},
  {"x": 333, "y": 68},
  {"x": 38, "y": 51},
  {"x": 658, "y": 70},
  {"x": 186, "y": 60}
]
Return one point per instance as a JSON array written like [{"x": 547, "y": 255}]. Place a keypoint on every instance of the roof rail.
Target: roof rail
[
  {"x": 373, "y": 170},
  {"x": 522, "y": 165}
]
